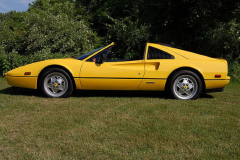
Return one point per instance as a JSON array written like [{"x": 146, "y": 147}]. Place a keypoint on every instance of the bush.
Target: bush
[
  {"x": 129, "y": 36},
  {"x": 14, "y": 60},
  {"x": 234, "y": 70},
  {"x": 4, "y": 63},
  {"x": 27, "y": 37},
  {"x": 223, "y": 41}
]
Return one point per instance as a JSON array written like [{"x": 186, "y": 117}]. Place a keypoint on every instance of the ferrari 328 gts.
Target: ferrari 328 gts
[{"x": 182, "y": 74}]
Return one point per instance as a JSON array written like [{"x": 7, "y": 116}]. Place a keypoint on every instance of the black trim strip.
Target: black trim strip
[
  {"x": 216, "y": 79},
  {"x": 118, "y": 78},
  {"x": 150, "y": 82}
]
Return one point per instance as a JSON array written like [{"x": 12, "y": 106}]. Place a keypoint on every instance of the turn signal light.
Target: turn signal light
[
  {"x": 218, "y": 76},
  {"x": 27, "y": 73}
]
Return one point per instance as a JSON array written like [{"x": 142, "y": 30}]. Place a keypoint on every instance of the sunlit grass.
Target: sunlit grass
[{"x": 119, "y": 125}]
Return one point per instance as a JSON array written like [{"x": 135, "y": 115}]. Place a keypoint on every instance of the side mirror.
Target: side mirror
[{"x": 99, "y": 60}]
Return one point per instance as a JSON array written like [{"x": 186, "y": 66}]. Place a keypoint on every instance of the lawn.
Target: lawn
[{"x": 119, "y": 125}]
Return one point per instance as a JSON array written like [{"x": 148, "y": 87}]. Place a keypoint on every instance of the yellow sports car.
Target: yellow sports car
[{"x": 184, "y": 75}]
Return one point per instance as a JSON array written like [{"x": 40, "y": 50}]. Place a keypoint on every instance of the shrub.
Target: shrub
[
  {"x": 14, "y": 60},
  {"x": 234, "y": 70},
  {"x": 129, "y": 36},
  {"x": 38, "y": 34}
]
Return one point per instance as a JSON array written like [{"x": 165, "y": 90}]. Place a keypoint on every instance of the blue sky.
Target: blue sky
[{"x": 18, "y": 5}]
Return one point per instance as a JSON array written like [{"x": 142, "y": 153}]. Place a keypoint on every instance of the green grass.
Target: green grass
[{"x": 119, "y": 126}]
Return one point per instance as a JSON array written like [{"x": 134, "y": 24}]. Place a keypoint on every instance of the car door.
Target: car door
[
  {"x": 156, "y": 68},
  {"x": 111, "y": 75}
]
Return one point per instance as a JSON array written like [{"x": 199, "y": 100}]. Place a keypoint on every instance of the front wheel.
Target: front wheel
[
  {"x": 185, "y": 85},
  {"x": 56, "y": 83}
]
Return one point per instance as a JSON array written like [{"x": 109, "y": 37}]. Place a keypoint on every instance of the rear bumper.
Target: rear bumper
[
  {"x": 216, "y": 83},
  {"x": 22, "y": 82}
]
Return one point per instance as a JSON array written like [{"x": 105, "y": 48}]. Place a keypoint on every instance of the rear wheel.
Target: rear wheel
[
  {"x": 185, "y": 85},
  {"x": 56, "y": 83}
]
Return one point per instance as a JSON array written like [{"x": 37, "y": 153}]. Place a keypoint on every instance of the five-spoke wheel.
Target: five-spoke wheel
[
  {"x": 55, "y": 82},
  {"x": 185, "y": 85}
]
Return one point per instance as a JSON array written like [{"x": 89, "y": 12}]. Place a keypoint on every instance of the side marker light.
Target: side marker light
[{"x": 27, "y": 73}]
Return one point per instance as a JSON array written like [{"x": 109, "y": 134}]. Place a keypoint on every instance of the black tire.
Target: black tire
[
  {"x": 56, "y": 83},
  {"x": 185, "y": 85}
]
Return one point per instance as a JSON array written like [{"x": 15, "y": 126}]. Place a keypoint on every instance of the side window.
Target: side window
[
  {"x": 97, "y": 56},
  {"x": 114, "y": 54},
  {"x": 154, "y": 53}
]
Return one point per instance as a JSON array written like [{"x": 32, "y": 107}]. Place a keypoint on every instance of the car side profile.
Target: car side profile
[{"x": 182, "y": 74}]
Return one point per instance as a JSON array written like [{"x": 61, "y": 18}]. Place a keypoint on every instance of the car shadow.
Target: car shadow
[
  {"x": 20, "y": 91},
  {"x": 149, "y": 94},
  {"x": 87, "y": 93},
  {"x": 206, "y": 95},
  {"x": 96, "y": 93}
]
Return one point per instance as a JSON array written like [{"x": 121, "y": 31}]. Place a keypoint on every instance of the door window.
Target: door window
[
  {"x": 112, "y": 54},
  {"x": 101, "y": 54}
]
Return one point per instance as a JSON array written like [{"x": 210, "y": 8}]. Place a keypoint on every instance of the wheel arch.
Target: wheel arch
[
  {"x": 189, "y": 69},
  {"x": 56, "y": 66}
]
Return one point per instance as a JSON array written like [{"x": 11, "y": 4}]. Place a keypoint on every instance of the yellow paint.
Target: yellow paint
[
  {"x": 212, "y": 84},
  {"x": 110, "y": 75},
  {"x": 109, "y": 84},
  {"x": 72, "y": 65},
  {"x": 77, "y": 83},
  {"x": 126, "y": 75},
  {"x": 24, "y": 82},
  {"x": 158, "y": 85},
  {"x": 55, "y": 84}
]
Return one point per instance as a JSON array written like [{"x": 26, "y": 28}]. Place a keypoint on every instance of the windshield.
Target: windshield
[{"x": 90, "y": 53}]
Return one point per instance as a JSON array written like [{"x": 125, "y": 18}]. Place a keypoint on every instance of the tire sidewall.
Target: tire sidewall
[
  {"x": 190, "y": 73},
  {"x": 49, "y": 71}
]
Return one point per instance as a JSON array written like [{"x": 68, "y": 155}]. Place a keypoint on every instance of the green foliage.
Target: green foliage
[
  {"x": 4, "y": 61},
  {"x": 54, "y": 7},
  {"x": 223, "y": 41},
  {"x": 54, "y": 28},
  {"x": 130, "y": 37},
  {"x": 234, "y": 70},
  {"x": 13, "y": 31},
  {"x": 41, "y": 34},
  {"x": 59, "y": 33},
  {"x": 14, "y": 60}
]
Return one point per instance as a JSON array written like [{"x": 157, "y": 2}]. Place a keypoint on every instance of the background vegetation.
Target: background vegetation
[{"x": 62, "y": 28}]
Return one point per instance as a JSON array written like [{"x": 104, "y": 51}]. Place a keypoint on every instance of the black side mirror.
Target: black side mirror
[{"x": 99, "y": 60}]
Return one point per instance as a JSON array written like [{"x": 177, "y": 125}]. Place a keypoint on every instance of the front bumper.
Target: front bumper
[{"x": 22, "y": 82}]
